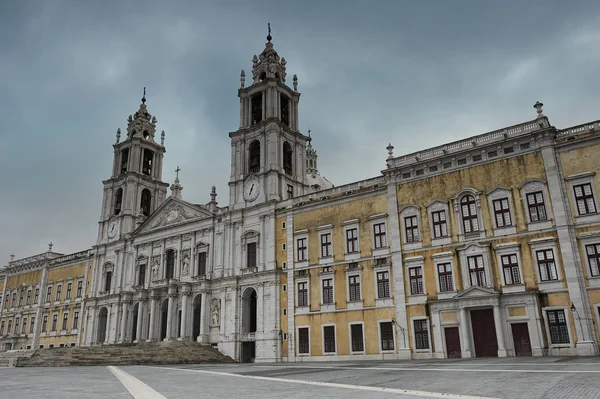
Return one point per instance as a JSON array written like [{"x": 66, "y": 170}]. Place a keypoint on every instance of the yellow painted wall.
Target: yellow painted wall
[
  {"x": 28, "y": 278},
  {"x": 280, "y": 257},
  {"x": 515, "y": 311},
  {"x": 594, "y": 296}
]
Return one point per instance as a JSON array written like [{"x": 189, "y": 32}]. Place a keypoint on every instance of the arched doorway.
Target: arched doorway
[
  {"x": 197, "y": 317},
  {"x": 163, "y": 319},
  {"x": 102, "y": 317},
  {"x": 249, "y": 322},
  {"x": 134, "y": 331}
]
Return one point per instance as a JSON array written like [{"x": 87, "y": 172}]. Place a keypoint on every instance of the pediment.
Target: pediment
[
  {"x": 477, "y": 292},
  {"x": 172, "y": 212}
]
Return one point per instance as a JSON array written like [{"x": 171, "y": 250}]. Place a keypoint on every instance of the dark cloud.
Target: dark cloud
[{"x": 416, "y": 74}]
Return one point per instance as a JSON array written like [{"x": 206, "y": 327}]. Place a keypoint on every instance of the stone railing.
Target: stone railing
[
  {"x": 471, "y": 142},
  {"x": 579, "y": 129},
  {"x": 71, "y": 257},
  {"x": 380, "y": 180}
]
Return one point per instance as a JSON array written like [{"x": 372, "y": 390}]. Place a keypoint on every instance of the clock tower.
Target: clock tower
[
  {"x": 135, "y": 188},
  {"x": 268, "y": 151}
]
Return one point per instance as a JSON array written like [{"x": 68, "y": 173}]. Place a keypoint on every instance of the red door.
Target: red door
[
  {"x": 484, "y": 333},
  {"x": 452, "y": 342},
  {"x": 520, "y": 334}
]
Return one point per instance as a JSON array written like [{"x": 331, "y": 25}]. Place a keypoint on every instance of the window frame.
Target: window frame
[
  {"x": 302, "y": 294},
  {"x": 578, "y": 180},
  {"x": 347, "y": 226},
  {"x": 532, "y": 186},
  {"x": 427, "y": 334},
  {"x": 302, "y": 280},
  {"x": 509, "y": 249},
  {"x": 502, "y": 194},
  {"x": 335, "y": 340},
  {"x": 545, "y": 243},
  {"x": 351, "y": 340},
  {"x": 410, "y": 211},
  {"x": 380, "y": 242},
  {"x": 445, "y": 258},
  {"x": 474, "y": 249},
  {"x": 308, "y": 352},
  {"x": 322, "y": 231},
  {"x": 585, "y": 240},
  {"x": 300, "y": 235},
  {"x": 409, "y": 263},
  {"x": 438, "y": 206},
  {"x": 566, "y": 312},
  {"x": 458, "y": 207},
  {"x": 381, "y": 349}
]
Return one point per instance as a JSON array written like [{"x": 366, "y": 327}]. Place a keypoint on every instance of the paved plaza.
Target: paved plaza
[{"x": 546, "y": 377}]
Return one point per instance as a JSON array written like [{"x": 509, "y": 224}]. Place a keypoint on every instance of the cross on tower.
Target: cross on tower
[{"x": 177, "y": 171}]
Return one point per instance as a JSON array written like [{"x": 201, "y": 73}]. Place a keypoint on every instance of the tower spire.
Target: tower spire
[
  {"x": 144, "y": 96},
  {"x": 269, "y": 37}
]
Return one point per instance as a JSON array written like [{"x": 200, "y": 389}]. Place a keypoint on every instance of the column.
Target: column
[
  {"x": 465, "y": 342},
  {"x": 184, "y": 311},
  {"x": 203, "y": 306},
  {"x": 140, "y": 317},
  {"x": 123, "y": 320},
  {"x": 152, "y": 315},
  {"x": 169, "y": 316},
  {"x": 499, "y": 331}
]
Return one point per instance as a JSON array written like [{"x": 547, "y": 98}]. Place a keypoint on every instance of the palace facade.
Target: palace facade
[{"x": 488, "y": 246}]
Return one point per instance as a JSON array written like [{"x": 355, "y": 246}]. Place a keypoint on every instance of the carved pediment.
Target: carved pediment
[
  {"x": 477, "y": 292},
  {"x": 172, "y": 212}
]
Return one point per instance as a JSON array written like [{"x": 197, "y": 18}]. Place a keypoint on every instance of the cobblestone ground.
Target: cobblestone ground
[{"x": 546, "y": 377}]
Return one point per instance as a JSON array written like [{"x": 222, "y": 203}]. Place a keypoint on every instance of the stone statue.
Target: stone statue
[
  {"x": 215, "y": 312},
  {"x": 186, "y": 265},
  {"x": 155, "y": 269}
]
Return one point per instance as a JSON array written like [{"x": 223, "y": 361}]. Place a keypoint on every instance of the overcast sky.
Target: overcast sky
[{"x": 413, "y": 73}]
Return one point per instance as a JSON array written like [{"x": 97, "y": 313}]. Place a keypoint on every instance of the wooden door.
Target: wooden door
[
  {"x": 452, "y": 342},
  {"x": 484, "y": 333},
  {"x": 520, "y": 333}
]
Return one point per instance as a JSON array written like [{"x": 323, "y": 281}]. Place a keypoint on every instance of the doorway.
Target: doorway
[
  {"x": 452, "y": 343},
  {"x": 163, "y": 319},
  {"x": 248, "y": 352},
  {"x": 484, "y": 333},
  {"x": 102, "y": 326},
  {"x": 249, "y": 316},
  {"x": 136, "y": 309},
  {"x": 196, "y": 318},
  {"x": 520, "y": 333}
]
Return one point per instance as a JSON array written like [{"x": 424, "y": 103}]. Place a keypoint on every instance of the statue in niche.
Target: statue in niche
[
  {"x": 155, "y": 267},
  {"x": 185, "y": 265},
  {"x": 215, "y": 312}
]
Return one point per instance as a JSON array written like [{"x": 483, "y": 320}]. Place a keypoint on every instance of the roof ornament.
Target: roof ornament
[
  {"x": 538, "y": 107},
  {"x": 269, "y": 37},
  {"x": 242, "y": 78},
  {"x": 162, "y": 138},
  {"x": 295, "y": 82},
  {"x": 12, "y": 257},
  {"x": 177, "y": 176},
  {"x": 50, "y": 245},
  {"x": 144, "y": 96},
  {"x": 118, "y": 135}
]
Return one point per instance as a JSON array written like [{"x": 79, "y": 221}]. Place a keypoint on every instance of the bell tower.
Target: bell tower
[
  {"x": 135, "y": 188},
  {"x": 267, "y": 151}
]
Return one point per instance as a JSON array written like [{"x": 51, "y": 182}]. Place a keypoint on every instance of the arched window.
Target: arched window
[
  {"x": 147, "y": 164},
  {"x": 285, "y": 109},
  {"x": 124, "y": 160},
  {"x": 146, "y": 134},
  {"x": 287, "y": 158},
  {"x": 249, "y": 315},
  {"x": 254, "y": 157},
  {"x": 145, "y": 202},
  {"x": 468, "y": 208},
  {"x": 256, "y": 104},
  {"x": 170, "y": 270},
  {"x": 118, "y": 201}
]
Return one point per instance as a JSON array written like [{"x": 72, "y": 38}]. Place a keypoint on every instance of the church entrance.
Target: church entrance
[
  {"x": 484, "y": 333},
  {"x": 196, "y": 318},
  {"x": 134, "y": 330},
  {"x": 102, "y": 317},
  {"x": 248, "y": 352},
  {"x": 249, "y": 309},
  {"x": 163, "y": 319}
]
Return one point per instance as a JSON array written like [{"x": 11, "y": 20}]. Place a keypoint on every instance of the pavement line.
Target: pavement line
[
  {"x": 335, "y": 385},
  {"x": 136, "y": 388}
]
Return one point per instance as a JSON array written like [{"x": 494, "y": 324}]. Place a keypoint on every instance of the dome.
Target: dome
[{"x": 316, "y": 182}]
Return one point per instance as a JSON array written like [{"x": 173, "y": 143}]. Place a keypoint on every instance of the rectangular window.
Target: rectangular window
[
  {"x": 559, "y": 334},
  {"x": 468, "y": 208},
  {"x": 69, "y": 289},
  {"x": 290, "y": 190},
  {"x": 546, "y": 265},
  {"x": 108, "y": 281},
  {"x": 584, "y": 197},
  {"x": 433, "y": 168},
  {"x": 303, "y": 343},
  {"x": 31, "y": 324},
  {"x": 387, "y": 336},
  {"x": 406, "y": 175},
  {"x": 411, "y": 228},
  {"x": 536, "y": 207},
  {"x": 36, "y": 296},
  {"x": 525, "y": 146},
  {"x": 492, "y": 154},
  {"x": 327, "y": 291},
  {"x": 509, "y": 150},
  {"x": 251, "y": 255},
  {"x": 44, "y": 323},
  {"x": 356, "y": 332},
  {"x": 476, "y": 270},
  {"x": 9, "y": 328},
  {"x": 415, "y": 275},
  {"x": 24, "y": 328},
  {"x": 58, "y": 292},
  {"x": 303, "y": 294},
  {"x": 54, "y": 321},
  {"x": 352, "y": 240},
  {"x": 202, "y": 264},
  {"x": 65, "y": 320},
  {"x": 476, "y": 158},
  {"x": 75, "y": 320},
  {"x": 329, "y": 339},
  {"x": 302, "y": 250},
  {"x": 49, "y": 294},
  {"x": 383, "y": 284},
  {"x": 142, "y": 275},
  {"x": 14, "y": 300},
  {"x": 420, "y": 172},
  {"x": 440, "y": 225},
  {"x": 462, "y": 161},
  {"x": 379, "y": 235},
  {"x": 593, "y": 255},
  {"x": 510, "y": 269},
  {"x": 17, "y": 325},
  {"x": 421, "y": 336},
  {"x": 445, "y": 276},
  {"x": 502, "y": 212},
  {"x": 325, "y": 245},
  {"x": 21, "y": 298},
  {"x": 354, "y": 285},
  {"x": 79, "y": 288},
  {"x": 447, "y": 165}
]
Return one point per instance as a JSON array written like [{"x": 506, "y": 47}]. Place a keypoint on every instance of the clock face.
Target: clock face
[
  {"x": 251, "y": 188},
  {"x": 113, "y": 229}
]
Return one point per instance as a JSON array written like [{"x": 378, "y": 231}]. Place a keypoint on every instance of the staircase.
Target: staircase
[
  {"x": 10, "y": 358},
  {"x": 115, "y": 355}
]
